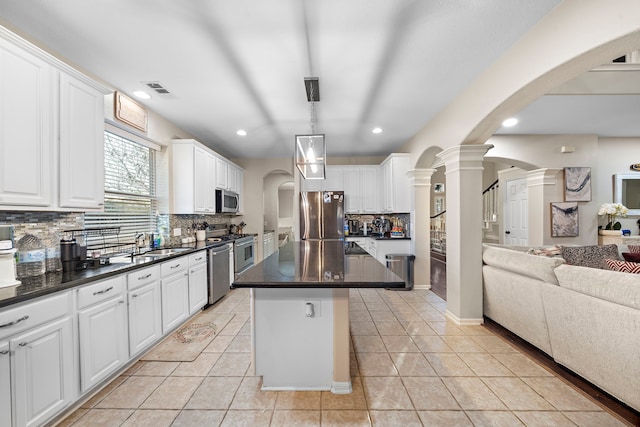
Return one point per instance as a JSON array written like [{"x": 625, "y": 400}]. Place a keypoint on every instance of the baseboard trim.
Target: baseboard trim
[
  {"x": 341, "y": 387},
  {"x": 464, "y": 322}
]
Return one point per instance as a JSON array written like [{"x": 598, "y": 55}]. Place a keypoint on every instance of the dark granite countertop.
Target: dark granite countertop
[
  {"x": 33, "y": 287},
  {"x": 319, "y": 264}
]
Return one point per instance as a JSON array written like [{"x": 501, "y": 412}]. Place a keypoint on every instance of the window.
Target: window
[{"x": 130, "y": 189}]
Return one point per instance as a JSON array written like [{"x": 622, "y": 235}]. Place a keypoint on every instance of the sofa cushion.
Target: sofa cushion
[
  {"x": 630, "y": 256},
  {"x": 516, "y": 261},
  {"x": 589, "y": 256},
  {"x": 634, "y": 249},
  {"x": 624, "y": 266}
]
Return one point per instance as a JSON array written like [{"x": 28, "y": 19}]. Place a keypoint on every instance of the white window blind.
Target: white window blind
[{"x": 130, "y": 189}]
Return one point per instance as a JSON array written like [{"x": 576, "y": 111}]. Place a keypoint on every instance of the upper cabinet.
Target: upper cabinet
[
  {"x": 360, "y": 189},
  {"x": 333, "y": 180},
  {"x": 52, "y": 121},
  {"x": 396, "y": 196},
  {"x": 228, "y": 175}
]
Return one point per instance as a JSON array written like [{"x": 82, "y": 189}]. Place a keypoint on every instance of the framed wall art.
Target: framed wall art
[
  {"x": 564, "y": 219},
  {"x": 577, "y": 184}
]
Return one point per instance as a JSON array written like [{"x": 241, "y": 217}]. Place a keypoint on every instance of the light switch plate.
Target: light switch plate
[{"x": 177, "y": 232}]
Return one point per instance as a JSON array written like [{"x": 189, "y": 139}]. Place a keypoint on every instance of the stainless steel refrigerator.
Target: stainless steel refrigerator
[{"x": 322, "y": 215}]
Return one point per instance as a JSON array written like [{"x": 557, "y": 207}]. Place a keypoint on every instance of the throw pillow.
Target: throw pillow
[
  {"x": 589, "y": 256},
  {"x": 624, "y": 266},
  {"x": 632, "y": 257},
  {"x": 634, "y": 249},
  {"x": 549, "y": 251}
]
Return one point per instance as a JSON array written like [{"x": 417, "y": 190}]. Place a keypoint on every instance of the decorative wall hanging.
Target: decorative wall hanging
[
  {"x": 577, "y": 184},
  {"x": 564, "y": 219},
  {"x": 130, "y": 112}
]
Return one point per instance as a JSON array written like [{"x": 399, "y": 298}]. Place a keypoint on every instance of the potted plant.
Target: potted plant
[{"x": 612, "y": 211}]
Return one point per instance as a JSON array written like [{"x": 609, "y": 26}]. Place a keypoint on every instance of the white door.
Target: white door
[
  {"x": 516, "y": 213},
  {"x": 5, "y": 385},
  {"x": 145, "y": 318}
]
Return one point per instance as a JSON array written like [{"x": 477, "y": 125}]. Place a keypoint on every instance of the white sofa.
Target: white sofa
[{"x": 587, "y": 319}]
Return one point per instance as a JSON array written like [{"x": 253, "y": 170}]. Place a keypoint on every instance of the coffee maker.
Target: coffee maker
[
  {"x": 7, "y": 257},
  {"x": 354, "y": 226}
]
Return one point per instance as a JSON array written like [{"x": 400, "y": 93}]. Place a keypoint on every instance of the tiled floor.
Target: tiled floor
[{"x": 410, "y": 367}]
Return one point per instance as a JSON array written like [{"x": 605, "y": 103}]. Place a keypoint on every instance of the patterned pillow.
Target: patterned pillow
[
  {"x": 624, "y": 266},
  {"x": 589, "y": 256},
  {"x": 634, "y": 249},
  {"x": 631, "y": 257},
  {"x": 549, "y": 251}
]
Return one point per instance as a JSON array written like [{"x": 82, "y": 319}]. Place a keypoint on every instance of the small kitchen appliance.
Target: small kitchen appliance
[
  {"x": 354, "y": 227},
  {"x": 227, "y": 201},
  {"x": 7, "y": 257}
]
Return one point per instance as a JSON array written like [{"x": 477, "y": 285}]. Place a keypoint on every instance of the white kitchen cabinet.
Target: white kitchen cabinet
[
  {"x": 222, "y": 173},
  {"x": 144, "y": 305},
  {"x": 103, "y": 330},
  {"x": 198, "y": 296},
  {"x": 5, "y": 384},
  {"x": 268, "y": 244},
  {"x": 175, "y": 293},
  {"x": 361, "y": 189},
  {"x": 232, "y": 177},
  {"x": 192, "y": 178},
  {"x": 333, "y": 180},
  {"x": 205, "y": 173},
  {"x": 396, "y": 196},
  {"x": 26, "y": 120},
  {"x": 379, "y": 248},
  {"x": 81, "y": 145}
]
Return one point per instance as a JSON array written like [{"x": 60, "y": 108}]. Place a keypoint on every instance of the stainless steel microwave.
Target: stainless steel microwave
[{"x": 227, "y": 201}]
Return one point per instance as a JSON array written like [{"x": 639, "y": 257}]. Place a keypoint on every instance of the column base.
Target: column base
[{"x": 464, "y": 322}]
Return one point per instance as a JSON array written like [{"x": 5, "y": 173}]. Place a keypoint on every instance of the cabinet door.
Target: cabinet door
[
  {"x": 145, "y": 317},
  {"x": 387, "y": 187},
  {"x": 240, "y": 179},
  {"x": 352, "y": 191},
  {"x": 311, "y": 184},
  {"x": 5, "y": 385},
  {"x": 334, "y": 180},
  {"x": 81, "y": 145},
  {"x": 222, "y": 168},
  {"x": 175, "y": 300},
  {"x": 369, "y": 189},
  {"x": 201, "y": 180},
  {"x": 26, "y": 139},
  {"x": 210, "y": 205},
  {"x": 44, "y": 372},
  {"x": 197, "y": 287},
  {"x": 232, "y": 178},
  {"x": 103, "y": 341}
]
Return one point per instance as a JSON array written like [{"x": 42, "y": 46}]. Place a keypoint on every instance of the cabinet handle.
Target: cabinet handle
[
  {"x": 14, "y": 322},
  {"x": 23, "y": 344},
  {"x": 175, "y": 266},
  {"x": 121, "y": 302},
  {"x": 3, "y": 352},
  {"x": 144, "y": 277},
  {"x": 198, "y": 259},
  {"x": 104, "y": 291},
  {"x": 134, "y": 296}
]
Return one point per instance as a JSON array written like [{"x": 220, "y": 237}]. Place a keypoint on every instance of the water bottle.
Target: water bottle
[
  {"x": 53, "y": 261},
  {"x": 31, "y": 257}
]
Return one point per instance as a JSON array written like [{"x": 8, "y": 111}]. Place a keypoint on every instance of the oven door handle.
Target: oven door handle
[{"x": 239, "y": 245}]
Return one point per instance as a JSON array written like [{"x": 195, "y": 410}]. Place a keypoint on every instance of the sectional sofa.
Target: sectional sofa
[{"x": 587, "y": 319}]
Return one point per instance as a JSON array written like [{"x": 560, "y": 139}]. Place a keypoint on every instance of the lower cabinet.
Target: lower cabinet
[
  {"x": 145, "y": 318},
  {"x": 5, "y": 384},
  {"x": 175, "y": 293},
  {"x": 198, "y": 296}
]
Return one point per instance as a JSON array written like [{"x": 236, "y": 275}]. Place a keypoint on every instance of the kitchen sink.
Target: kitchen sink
[{"x": 167, "y": 251}]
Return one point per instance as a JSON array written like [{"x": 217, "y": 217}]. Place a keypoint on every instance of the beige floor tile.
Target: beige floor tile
[
  {"x": 231, "y": 365},
  {"x": 104, "y": 392},
  {"x": 395, "y": 418},
  {"x": 432, "y": 315},
  {"x": 493, "y": 419},
  {"x": 357, "y": 306},
  {"x": 151, "y": 418},
  {"x": 399, "y": 344},
  {"x": 354, "y": 370},
  {"x": 156, "y": 369},
  {"x": 521, "y": 365},
  {"x": 444, "y": 419},
  {"x": 200, "y": 367},
  {"x": 219, "y": 344},
  {"x": 376, "y": 364},
  {"x": 560, "y": 395},
  {"x": 261, "y": 418},
  {"x": 389, "y": 327},
  {"x": 173, "y": 393},
  {"x": 386, "y": 393},
  {"x": 431, "y": 344},
  {"x": 407, "y": 316},
  {"x": 133, "y": 368},
  {"x": 494, "y": 344},
  {"x": 445, "y": 328},
  {"x": 345, "y": 418},
  {"x": 233, "y": 327},
  {"x": 485, "y": 365},
  {"x": 377, "y": 306},
  {"x": 472, "y": 394},
  {"x": 517, "y": 395},
  {"x": 73, "y": 417},
  {"x": 448, "y": 365},
  {"x": 382, "y": 315},
  {"x": 131, "y": 393},
  {"x": 368, "y": 344},
  {"x": 418, "y": 327},
  {"x": 197, "y": 418},
  {"x": 104, "y": 418},
  {"x": 249, "y": 396},
  {"x": 440, "y": 306},
  {"x": 476, "y": 330},
  {"x": 246, "y": 329},
  {"x": 309, "y": 400},
  {"x": 240, "y": 344},
  {"x": 363, "y": 328},
  {"x": 412, "y": 365},
  {"x": 429, "y": 393},
  {"x": 214, "y": 393},
  {"x": 360, "y": 316},
  {"x": 290, "y": 418},
  {"x": 594, "y": 419},
  {"x": 463, "y": 344},
  {"x": 544, "y": 419},
  {"x": 353, "y": 400}
]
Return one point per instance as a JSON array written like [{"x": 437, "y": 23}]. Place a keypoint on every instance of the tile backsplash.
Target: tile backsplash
[{"x": 44, "y": 225}]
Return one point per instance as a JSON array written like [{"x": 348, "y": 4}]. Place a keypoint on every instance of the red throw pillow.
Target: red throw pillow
[
  {"x": 630, "y": 256},
  {"x": 624, "y": 266}
]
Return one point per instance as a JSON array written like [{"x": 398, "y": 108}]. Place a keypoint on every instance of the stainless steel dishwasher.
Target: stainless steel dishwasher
[{"x": 218, "y": 272}]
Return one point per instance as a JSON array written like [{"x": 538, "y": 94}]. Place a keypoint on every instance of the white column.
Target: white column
[
  {"x": 544, "y": 186},
  {"x": 463, "y": 170},
  {"x": 420, "y": 184}
]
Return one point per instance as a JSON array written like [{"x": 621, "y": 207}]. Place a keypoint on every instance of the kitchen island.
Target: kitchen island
[{"x": 300, "y": 312}]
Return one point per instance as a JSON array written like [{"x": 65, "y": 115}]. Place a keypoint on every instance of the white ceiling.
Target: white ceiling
[{"x": 240, "y": 64}]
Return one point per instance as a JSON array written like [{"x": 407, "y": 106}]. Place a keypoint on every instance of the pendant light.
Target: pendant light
[{"x": 310, "y": 150}]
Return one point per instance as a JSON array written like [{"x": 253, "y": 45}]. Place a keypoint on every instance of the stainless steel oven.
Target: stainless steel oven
[{"x": 244, "y": 251}]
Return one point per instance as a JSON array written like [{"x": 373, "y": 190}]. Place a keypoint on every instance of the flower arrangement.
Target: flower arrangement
[{"x": 612, "y": 211}]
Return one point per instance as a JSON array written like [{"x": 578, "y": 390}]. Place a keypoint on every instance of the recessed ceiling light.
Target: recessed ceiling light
[
  {"x": 242, "y": 132},
  {"x": 141, "y": 94},
  {"x": 512, "y": 121},
  {"x": 377, "y": 130}
]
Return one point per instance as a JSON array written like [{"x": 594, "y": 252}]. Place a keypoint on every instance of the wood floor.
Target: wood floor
[{"x": 439, "y": 287}]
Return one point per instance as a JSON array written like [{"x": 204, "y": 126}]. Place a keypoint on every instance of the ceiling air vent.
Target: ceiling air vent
[{"x": 157, "y": 87}]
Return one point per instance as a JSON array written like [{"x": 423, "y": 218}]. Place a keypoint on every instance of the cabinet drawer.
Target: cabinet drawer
[
  {"x": 35, "y": 313},
  {"x": 143, "y": 276},
  {"x": 100, "y": 291},
  {"x": 174, "y": 266},
  {"x": 197, "y": 258}
]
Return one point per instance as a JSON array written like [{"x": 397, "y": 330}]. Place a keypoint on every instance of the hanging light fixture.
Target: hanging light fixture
[{"x": 310, "y": 150}]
